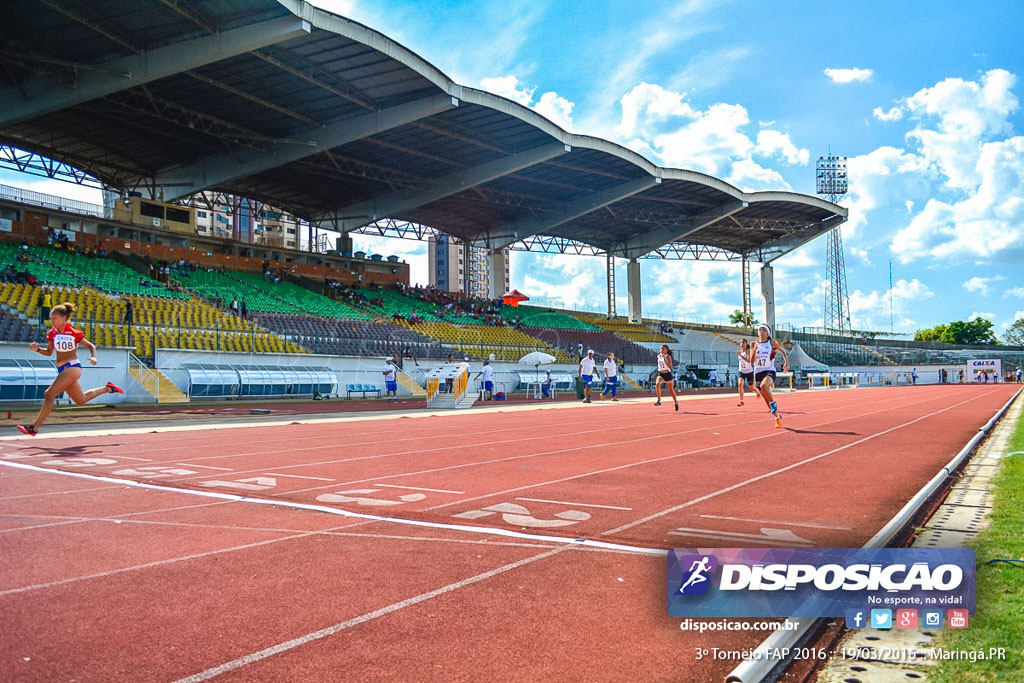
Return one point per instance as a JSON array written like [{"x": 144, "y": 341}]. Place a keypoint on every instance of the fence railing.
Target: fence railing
[{"x": 144, "y": 376}]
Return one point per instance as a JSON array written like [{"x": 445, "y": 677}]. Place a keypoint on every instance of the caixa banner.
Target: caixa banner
[{"x": 817, "y": 582}]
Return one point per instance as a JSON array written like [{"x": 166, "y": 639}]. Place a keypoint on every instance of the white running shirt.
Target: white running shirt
[
  {"x": 389, "y": 372},
  {"x": 663, "y": 363},
  {"x": 763, "y": 359},
  {"x": 588, "y": 364},
  {"x": 487, "y": 374},
  {"x": 745, "y": 365},
  {"x": 609, "y": 369}
]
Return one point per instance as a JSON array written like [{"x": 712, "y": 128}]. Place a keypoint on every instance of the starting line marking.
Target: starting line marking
[
  {"x": 565, "y": 502},
  {"x": 775, "y": 521},
  {"x": 295, "y": 476},
  {"x": 416, "y": 488}
]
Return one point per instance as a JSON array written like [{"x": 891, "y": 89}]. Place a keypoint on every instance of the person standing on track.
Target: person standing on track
[
  {"x": 588, "y": 370},
  {"x": 762, "y": 355},
  {"x": 488, "y": 380},
  {"x": 391, "y": 379},
  {"x": 746, "y": 371},
  {"x": 65, "y": 340},
  {"x": 611, "y": 377},
  {"x": 665, "y": 376}
]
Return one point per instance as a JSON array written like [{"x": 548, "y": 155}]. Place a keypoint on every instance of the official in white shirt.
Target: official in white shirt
[
  {"x": 611, "y": 377},
  {"x": 488, "y": 380},
  {"x": 588, "y": 371},
  {"x": 391, "y": 379}
]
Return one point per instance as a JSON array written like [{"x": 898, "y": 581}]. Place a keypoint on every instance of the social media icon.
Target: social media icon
[
  {"x": 881, "y": 618},
  {"x": 932, "y": 618},
  {"x": 856, "y": 618},
  {"x": 957, "y": 618},
  {"x": 906, "y": 618}
]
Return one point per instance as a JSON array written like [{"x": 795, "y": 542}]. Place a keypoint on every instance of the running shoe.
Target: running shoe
[
  {"x": 740, "y": 403},
  {"x": 27, "y": 430},
  {"x": 778, "y": 420},
  {"x": 602, "y": 397},
  {"x": 586, "y": 400},
  {"x": 677, "y": 407},
  {"x": 114, "y": 389},
  {"x": 657, "y": 403},
  {"x": 614, "y": 399}
]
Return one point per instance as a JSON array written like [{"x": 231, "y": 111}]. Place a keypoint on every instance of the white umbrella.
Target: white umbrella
[{"x": 537, "y": 358}]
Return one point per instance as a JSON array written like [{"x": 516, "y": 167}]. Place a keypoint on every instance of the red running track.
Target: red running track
[{"x": 109, "y": 581}]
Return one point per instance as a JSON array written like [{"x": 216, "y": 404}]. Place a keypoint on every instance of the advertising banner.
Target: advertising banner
[
  {"x": 984, "y": 369},
  {"x": 818, "y": 582}
]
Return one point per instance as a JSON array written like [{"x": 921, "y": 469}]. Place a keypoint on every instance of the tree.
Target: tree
[
  {"x": 736, "y": 318},
  {"x": 1015, "y": 334},
  {"x": 978, "y": 331}
]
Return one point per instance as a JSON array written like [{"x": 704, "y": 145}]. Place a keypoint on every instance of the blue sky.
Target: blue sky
[{"x": 924, "y": 98}]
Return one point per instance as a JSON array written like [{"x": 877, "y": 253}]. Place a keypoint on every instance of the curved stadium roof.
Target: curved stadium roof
[{"x": 319, "y": 115}]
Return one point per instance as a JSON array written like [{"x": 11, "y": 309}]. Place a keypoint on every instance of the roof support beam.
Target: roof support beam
[
  {"x": 392, "y": 205},
  {"x": 780, "y": 247},
  {"x": 510, "y": 233},
  {"x": 222, "y": 168},
  {"x": 44, "y": 98},
  {"x": 659, "y": 237}
]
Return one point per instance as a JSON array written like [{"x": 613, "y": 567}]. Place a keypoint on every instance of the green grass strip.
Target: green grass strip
[{"x": 999, "y": 620}]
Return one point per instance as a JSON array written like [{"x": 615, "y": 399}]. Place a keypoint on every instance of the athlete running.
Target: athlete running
[
  {"x": 746, "y": 375},
  {"x": 665, "y": 375},
  {"x": 762, "y": 355},
  {"x": 64, "y": 339}
]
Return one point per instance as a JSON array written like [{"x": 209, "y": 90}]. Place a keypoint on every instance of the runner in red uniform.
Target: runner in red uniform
[{"x": 65, "y": 339}]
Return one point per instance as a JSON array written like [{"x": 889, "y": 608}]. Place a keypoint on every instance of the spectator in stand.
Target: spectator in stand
[
  {"x": 487, "y": 373},
  {"x": 45, "y": 301},
  {"x": 243, "y": 308},
  {"x": 407, "y": 353},
  {"x": 234, "y": 306},
  {"x": 129, "y": 313}
]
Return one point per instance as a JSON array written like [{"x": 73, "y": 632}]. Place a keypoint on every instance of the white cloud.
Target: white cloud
[
  {"x": 878, "y": 178},
  {"x": 412, "y": 252},
  {"x": 551, "y": 105},
  {"x": 980, "y": 284},
  {"x": 773, "y": 142},
  {"x": 1016, "y": 291},
  {"x": 861, "y": 255},
  {"x": 892, "y": 114},
  {"x": 870, "y": 310},
  {"x": 661, "y": 124},
  {"x": 985, "y": 315},
  {"x": 848, "y": 75}
]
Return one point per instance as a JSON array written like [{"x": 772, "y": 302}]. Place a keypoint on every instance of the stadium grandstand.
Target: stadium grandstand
[{"x": 337, "y": 131}]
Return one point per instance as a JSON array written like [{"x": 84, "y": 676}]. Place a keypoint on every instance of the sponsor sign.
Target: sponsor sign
[
  {"x": 859, "y": 584},
  {"x": 984, "y": 370},
  {"x": 5, "y": 225}
]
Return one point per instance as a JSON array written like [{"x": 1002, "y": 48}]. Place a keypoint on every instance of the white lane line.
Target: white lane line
[
  {"x": 775, "y": 521},
  {"x": 369, "y": 616},
  {"x": 273, "y": 502},
  {"x": 588, "y": 446},
  {"x": 295, "y": 476},
  {"x": 766, "y": 475},
  {"x": 206, "y": 467},
  {"x": 110, "y": 518},
  {"x": 416, "y": 488},
  {"x": 58, "y": 493},
  {"x": 565, "y": 502}
]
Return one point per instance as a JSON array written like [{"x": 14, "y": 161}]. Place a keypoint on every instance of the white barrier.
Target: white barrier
[
  {"x": 823, "y": 376},
  {"x": 848, "y": 379},
  {"x": 784, "y": 381}
]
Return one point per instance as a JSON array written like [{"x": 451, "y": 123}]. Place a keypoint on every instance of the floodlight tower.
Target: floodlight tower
[{"x": 831, "y": 181}]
